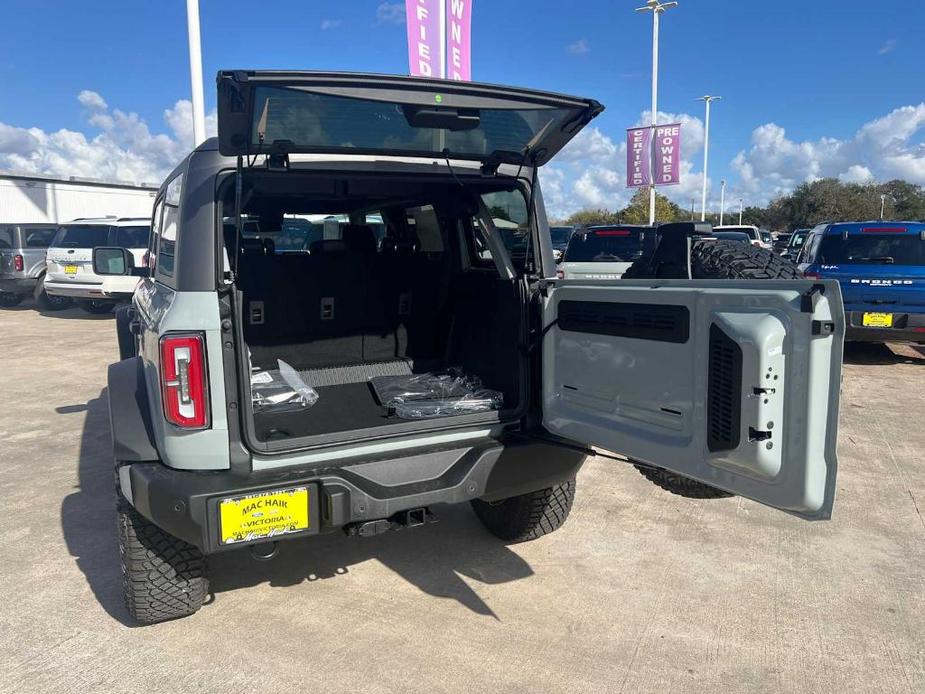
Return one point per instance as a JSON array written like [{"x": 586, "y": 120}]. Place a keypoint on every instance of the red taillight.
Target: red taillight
[
  {"x": 884, "y": 230},
  {"x": 612, "y": 232},
  {"x": 812, "y": 275},
  {"x": 183, "y": 381},
  {"x": 18, "y": 263}
]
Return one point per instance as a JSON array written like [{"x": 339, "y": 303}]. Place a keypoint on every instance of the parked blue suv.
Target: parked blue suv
[{"x": 881, "y": 269}]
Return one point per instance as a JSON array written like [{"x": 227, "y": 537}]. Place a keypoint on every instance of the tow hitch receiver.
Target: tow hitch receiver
[{"x": 403, "y": 519}]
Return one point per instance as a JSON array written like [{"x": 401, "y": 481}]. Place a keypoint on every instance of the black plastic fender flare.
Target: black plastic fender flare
[{"x": 129, "y": 413}]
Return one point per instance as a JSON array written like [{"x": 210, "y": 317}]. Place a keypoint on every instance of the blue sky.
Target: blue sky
[{"x": 800, "y": 81}]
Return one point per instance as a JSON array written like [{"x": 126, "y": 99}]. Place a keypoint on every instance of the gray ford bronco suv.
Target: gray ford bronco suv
[{"x": 351, "y": 315}]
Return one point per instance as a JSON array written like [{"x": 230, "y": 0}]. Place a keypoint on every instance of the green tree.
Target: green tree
[
  {"x": 637, "y": 212},
  {"x": 498, "y": 212},
  {"x": 592, "y": 217}
]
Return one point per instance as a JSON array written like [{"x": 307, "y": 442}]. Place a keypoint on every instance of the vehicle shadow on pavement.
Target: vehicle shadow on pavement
[
  {"x": 88, "y": 515},
  {"x": 877, "y": 353},
  {"x": 76, "y": 313},
  {"x": 435, "y": 558}
]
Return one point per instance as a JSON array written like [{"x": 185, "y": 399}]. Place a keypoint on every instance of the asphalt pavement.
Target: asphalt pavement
[{"x": 640, "y": 591}]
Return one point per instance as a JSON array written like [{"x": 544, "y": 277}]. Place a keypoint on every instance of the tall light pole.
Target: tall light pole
[
  {"x": 740, "y": 211},
  {"x": 195, "y": 71},
  {"x": 722, "y": 200},
  {"x": 656, "y": 7},
  {"x": 692, "y": 209},
  {"x": 882, "y": 204},
  {"x": 707, "y": 99}
]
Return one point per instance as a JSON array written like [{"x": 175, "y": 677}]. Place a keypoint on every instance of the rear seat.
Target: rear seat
[{"x": 344, "y": 302}]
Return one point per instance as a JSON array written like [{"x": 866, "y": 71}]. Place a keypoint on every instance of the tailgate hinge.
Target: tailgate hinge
[{"x": 810, "y": 298}]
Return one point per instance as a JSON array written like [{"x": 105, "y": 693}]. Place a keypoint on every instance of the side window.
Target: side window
[
  {"x": 426, "y": 227},
  {"x": 508, "y": 210},
  {"x": 39, "y": 238},
  {"x": 803, "y": 253},
  {"x": 814, "y": 250},
  {"x": 6, "y": 237},
  {"x": 132, "y": 237},
  {"x": 166, "y": 246}
]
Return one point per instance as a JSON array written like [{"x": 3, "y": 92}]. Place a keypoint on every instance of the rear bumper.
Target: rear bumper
[
  {"x": 907, "y": 327},
  {"x": 76, "y": 290},
  {"x": 18, "y": 285},
  {"x": 186, "y": 504}
]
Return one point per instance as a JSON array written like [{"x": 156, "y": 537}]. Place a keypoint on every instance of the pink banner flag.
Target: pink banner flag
[
  {"x": 426, "y": 23},
  {"x": 458, "y": 39},
  {"x": 668, "y": 154},
  {"x": 638, "y": 149}
]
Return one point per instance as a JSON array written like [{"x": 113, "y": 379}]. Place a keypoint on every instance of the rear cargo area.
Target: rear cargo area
[{"x": 394, "y": 286}]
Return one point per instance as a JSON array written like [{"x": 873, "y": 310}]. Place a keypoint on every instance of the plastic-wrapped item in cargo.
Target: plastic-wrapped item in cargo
[
  {"x": 281, "y": 390},
  {"x": 435, "y": 394}
]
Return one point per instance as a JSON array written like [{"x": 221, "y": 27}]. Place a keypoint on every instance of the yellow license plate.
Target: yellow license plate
[
  {"x": 256, "y": 516},
  {"x": 70, "y": 270},
  {"x": 877, "y": 320}
]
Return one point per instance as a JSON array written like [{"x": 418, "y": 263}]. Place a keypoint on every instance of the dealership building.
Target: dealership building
[{"x": 28, "y": 198}]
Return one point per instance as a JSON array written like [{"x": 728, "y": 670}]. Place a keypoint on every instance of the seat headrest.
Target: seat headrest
[
  {"x": 327, "y": 246},
  {"x": 252, "y": 246},
  {"x": 359, "y": 238},
  {"x": 392, "y": 245}
]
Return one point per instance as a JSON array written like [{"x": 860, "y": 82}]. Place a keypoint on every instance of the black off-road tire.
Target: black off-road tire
[
  {"x": 719, "y": 260},
  {"x": 528, "y": 516},
  {"x": 46, "y": 302},
  {"x": 9, "y": 300},
  {"x": 732, "y": 260},
  {"x": 98, "y": 307},
  {"x": 163, "y": 577},
  {"x": 682, "y": 486}
]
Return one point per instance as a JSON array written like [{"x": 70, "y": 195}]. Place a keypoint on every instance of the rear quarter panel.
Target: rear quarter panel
[{"x": 162, "y": 310}]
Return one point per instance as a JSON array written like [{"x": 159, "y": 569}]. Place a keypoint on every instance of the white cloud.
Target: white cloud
[
  {"x": 390, "y": 13},
  {"x": 579, "y": 47},
  {"x": 856, "y": 174},
  {"x": 887, "y": 47},
  {"x": 91, "y": 100},
  {"x": 590, "y": 172},
  {"x": 331, "y": 24},
  {"x": 123, "y": 148},
  {"x": 883, "y": 149}
]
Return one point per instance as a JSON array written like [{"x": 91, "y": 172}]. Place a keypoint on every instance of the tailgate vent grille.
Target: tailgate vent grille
[
  {"x": 658, "y": 322},
  {"x": 724, "y": 388}
]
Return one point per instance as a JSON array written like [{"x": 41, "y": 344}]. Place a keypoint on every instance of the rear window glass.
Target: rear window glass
[
  {"x": 6, "y": 237},
  {"x": 605, "y": 246},
  {"x": 39, "y": 238},
  {"x": 731, "y": 236},
  {"x": 317, "y": 121},
  {"x": 752, "y": 233},
  {"x": 81, "y": 236},
  {"x": 560, "y": 235},
  {"x": 875, "y": 249},
  {"x": 132, "y": 237}
]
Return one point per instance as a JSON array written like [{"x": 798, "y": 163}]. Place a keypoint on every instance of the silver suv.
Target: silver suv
[
  {"x": 418, "y": 349},
  {"x": 70, "y": 272},
  {"x": 22, "y": 264}
]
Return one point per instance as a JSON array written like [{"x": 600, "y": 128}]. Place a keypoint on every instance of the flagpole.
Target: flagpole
[{"x": 195, "y": 70}]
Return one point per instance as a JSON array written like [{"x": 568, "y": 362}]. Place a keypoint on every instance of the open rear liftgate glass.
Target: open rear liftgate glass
[
  {"x": 267, "y": 112},
  {"x": 733, "y": 383}
]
